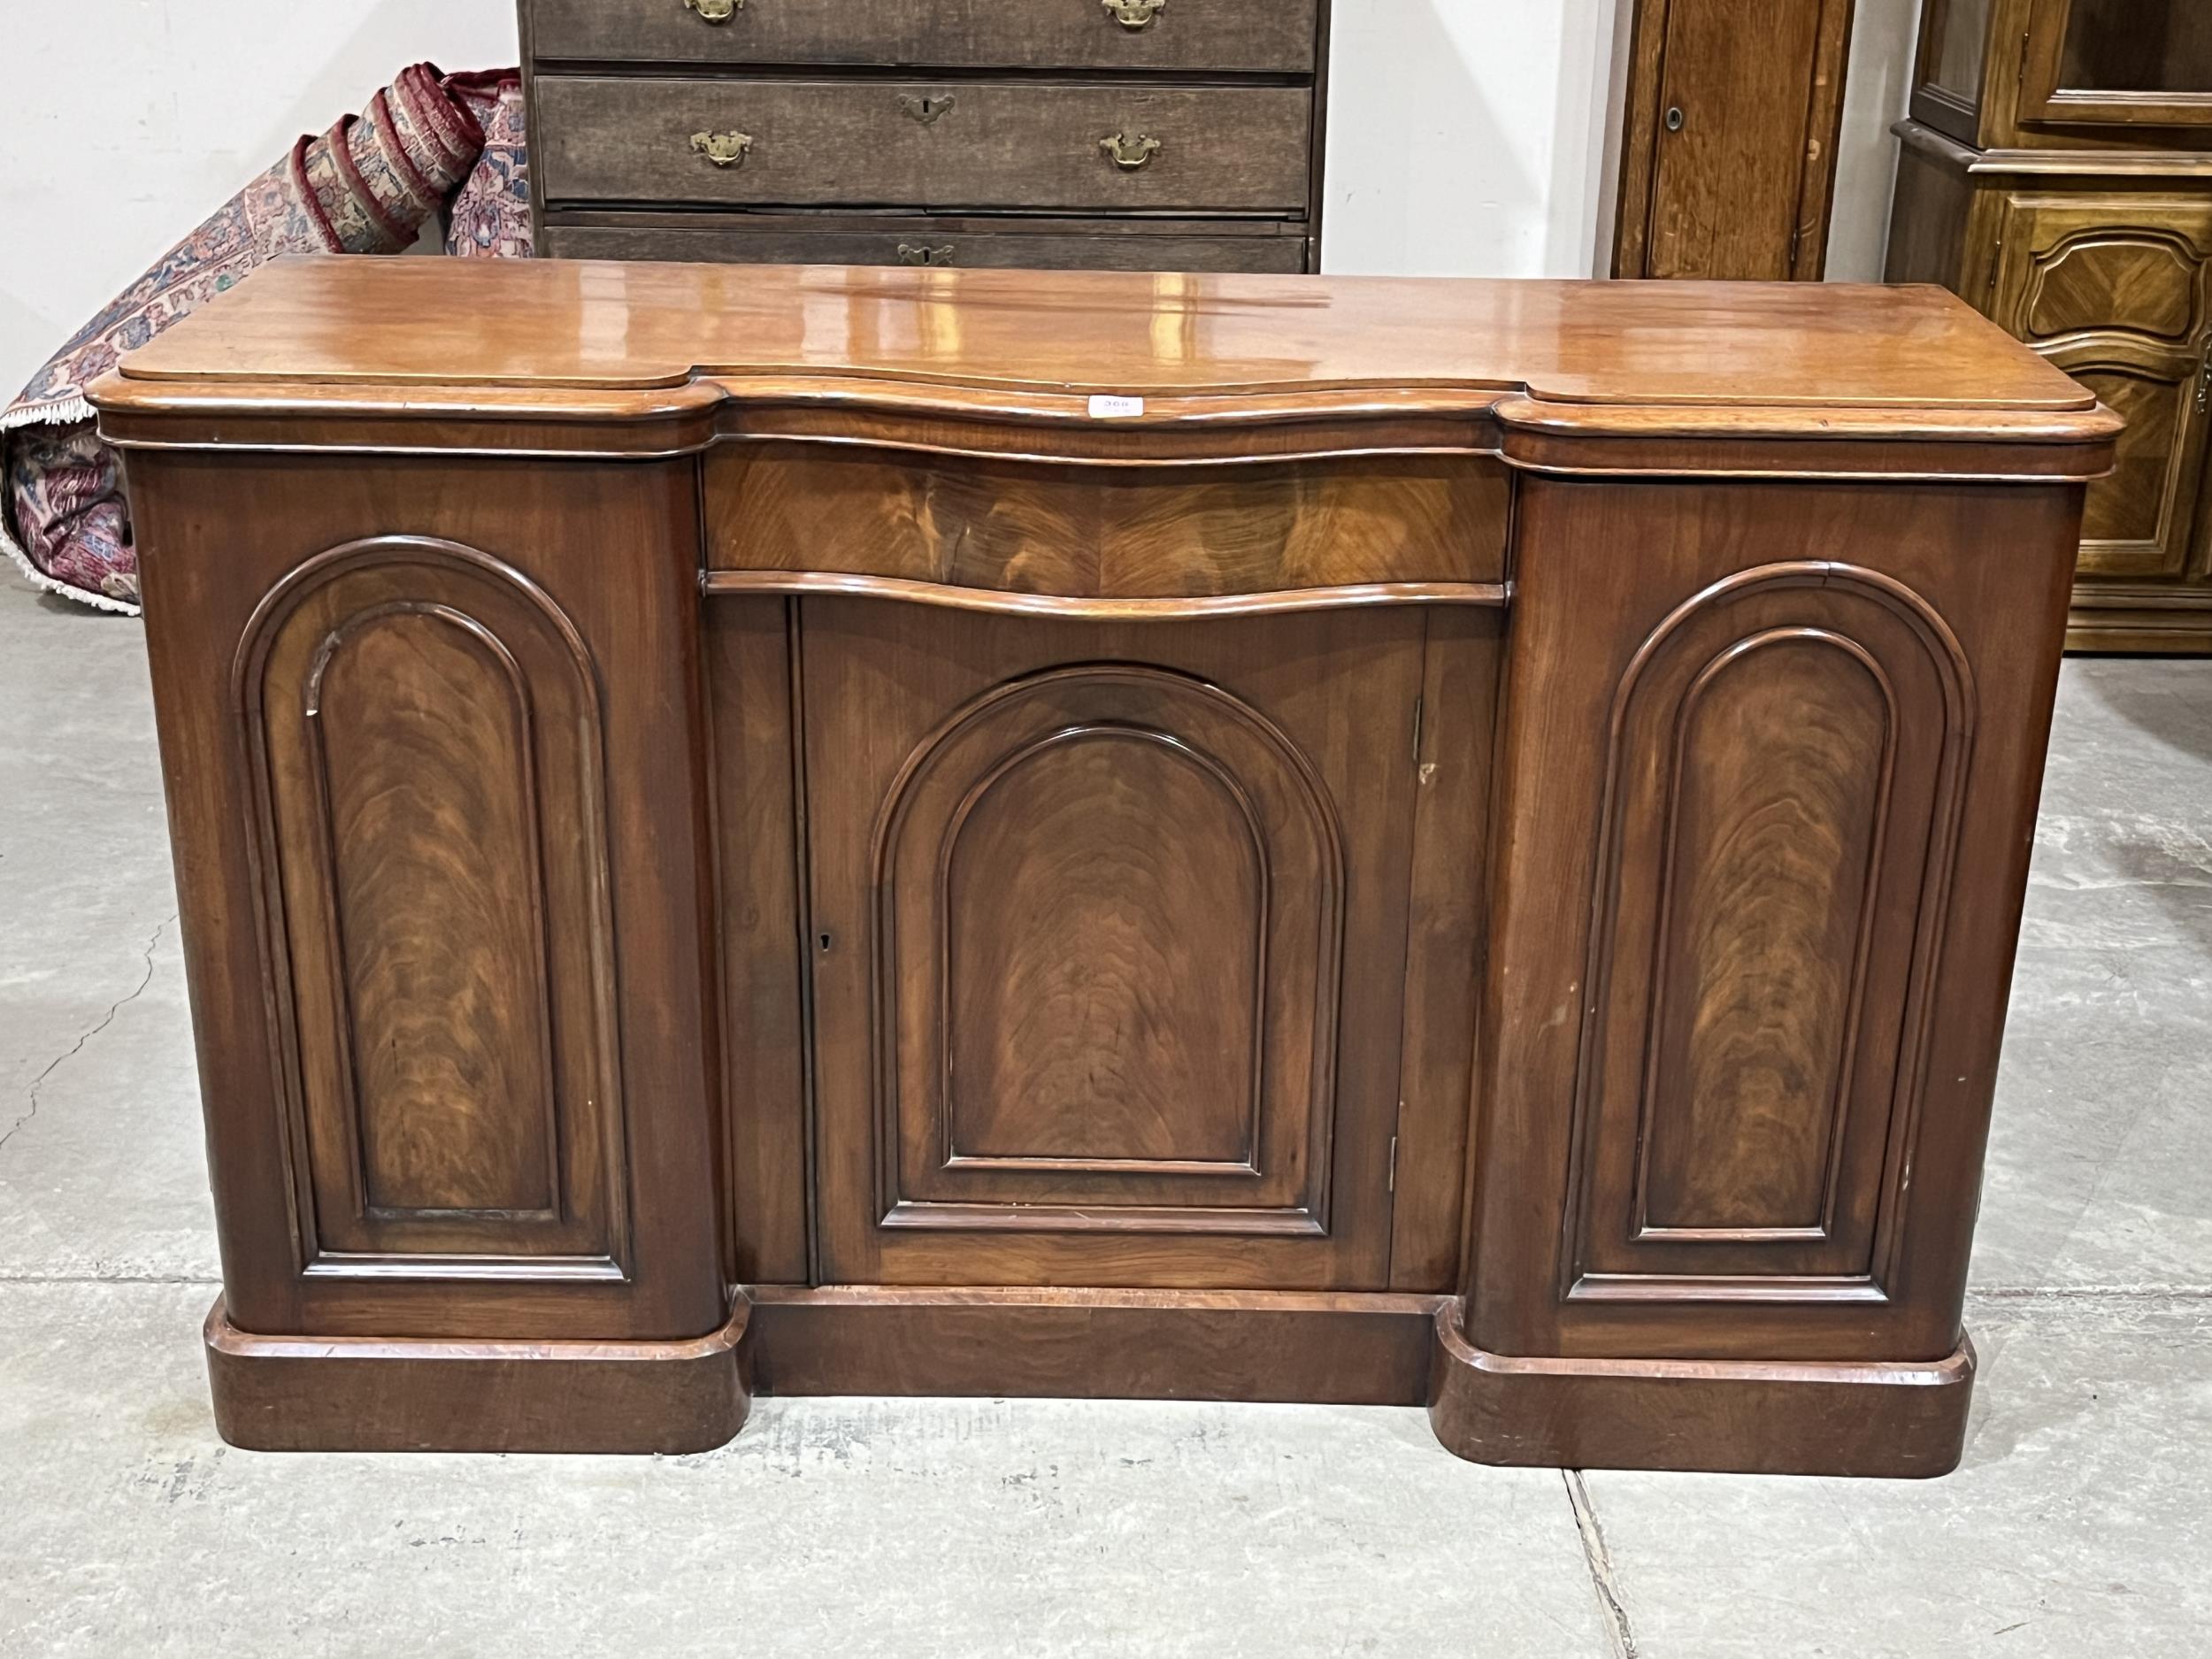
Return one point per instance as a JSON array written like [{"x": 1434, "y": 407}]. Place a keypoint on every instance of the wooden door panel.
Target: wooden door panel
[
  {"x": 1110, "y": 944},
  {"x": 1109, "y": 924},
  {"x": 1784, "y": 773},
  {"x": 2116, "y": 289},
  {"x": 425, "y": 739},
  {"x": 1726, "y": 187}
]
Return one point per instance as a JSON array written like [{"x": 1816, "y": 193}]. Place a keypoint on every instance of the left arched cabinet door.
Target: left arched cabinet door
[{"x": 425, "y": 758}]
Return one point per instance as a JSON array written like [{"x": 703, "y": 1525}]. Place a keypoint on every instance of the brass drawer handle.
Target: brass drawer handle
[
  {"x": 724, "y": 150},
  {"x": 715, "y": 10},
  {"x": 1133, "y": 14},
  {"x": 926, "y": 109},
  {"x": 1128, "y": 153},
  {"x": 916, "y": 253}
]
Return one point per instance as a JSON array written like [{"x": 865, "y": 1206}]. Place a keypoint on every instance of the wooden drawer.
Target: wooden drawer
[
  {"x": 1040, "y": 244},
  {"x": 1273, "y": 36},
  {"x": 1080, "y": 532},
  {"x": 972, "y": 144}
]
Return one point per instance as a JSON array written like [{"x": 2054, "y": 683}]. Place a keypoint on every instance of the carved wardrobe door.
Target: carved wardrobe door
[
  {"x": 2113, "y": 289},
  {"x": 1107, "y": 924}
]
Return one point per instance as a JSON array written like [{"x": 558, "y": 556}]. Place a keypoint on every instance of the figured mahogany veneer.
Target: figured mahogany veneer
[{"x": 969, "y": 832}]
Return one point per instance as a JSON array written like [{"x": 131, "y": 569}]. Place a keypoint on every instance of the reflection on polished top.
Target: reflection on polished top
[{"x": 1458, "y": 343}]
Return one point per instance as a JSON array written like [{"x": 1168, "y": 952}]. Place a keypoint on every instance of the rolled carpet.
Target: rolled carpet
[{"x": 364, "y": 187}]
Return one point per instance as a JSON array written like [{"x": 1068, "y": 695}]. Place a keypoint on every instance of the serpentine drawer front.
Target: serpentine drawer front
[
  {"x": 900, "y": 831},
  {"x": 1436, "y": 523}
]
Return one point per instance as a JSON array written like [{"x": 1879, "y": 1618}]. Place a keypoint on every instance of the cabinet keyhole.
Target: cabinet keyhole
[{"x": 1674, "y": 119}]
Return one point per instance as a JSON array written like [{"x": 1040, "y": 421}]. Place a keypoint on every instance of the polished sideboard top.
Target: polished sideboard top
[{"x": 653, "y": 358}]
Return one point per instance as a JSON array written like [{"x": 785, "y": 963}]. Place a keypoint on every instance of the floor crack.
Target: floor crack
[
  {"x": 106, "y": 1021},
  {"x": 1600, "y": 1561}
]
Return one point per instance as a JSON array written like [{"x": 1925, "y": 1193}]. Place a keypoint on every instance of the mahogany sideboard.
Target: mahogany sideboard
[{"x": 842, "y": 830}]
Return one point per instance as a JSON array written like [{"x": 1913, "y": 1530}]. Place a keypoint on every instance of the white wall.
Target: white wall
[
  {"x": 124, "y": 123},
  {"x": 1466, "y": 136},
  {"x": 1876, "y": 91}
]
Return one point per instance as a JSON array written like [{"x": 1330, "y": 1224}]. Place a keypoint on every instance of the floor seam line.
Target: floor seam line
[{"x": 1598, "y": 1560}]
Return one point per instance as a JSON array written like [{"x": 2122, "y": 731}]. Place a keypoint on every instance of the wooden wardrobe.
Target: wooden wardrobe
[
  {"x": 2057, "y": 172},
  {"x": 1728, "y": 138}
]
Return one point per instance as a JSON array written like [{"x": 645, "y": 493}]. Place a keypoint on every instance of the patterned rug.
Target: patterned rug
[{"x": 366, "y": 186}]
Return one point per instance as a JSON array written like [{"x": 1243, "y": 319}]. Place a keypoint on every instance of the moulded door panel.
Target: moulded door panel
[{"x": 1109, "y": 939}]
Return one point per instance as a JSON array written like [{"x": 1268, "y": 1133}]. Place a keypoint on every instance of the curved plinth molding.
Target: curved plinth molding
[
  {"x": 1898, "y": 1418},
  {"x": 322, "y": 1393}
]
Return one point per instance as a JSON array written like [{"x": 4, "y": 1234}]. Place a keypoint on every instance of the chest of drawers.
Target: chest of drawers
[{"x": 1130, "y": 134}]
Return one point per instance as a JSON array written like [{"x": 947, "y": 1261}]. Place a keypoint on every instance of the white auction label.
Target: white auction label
[{"x": 1106, "y": 407}]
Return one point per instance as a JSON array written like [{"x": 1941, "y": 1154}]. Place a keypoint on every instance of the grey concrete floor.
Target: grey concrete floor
[{"x": 2081, "y": 1521}]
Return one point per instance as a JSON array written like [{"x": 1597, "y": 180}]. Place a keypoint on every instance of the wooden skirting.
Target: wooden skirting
[
  {"x": 366, "y": 1393},
  {"x": 1819, "y": 1417},
  {"x": 1323, "y": 1348},
  {"x": 393, "y": 1394}
]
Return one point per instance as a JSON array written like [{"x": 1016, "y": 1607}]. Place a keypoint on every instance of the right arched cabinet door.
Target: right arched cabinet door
[{"x": 1783, "y": 772}]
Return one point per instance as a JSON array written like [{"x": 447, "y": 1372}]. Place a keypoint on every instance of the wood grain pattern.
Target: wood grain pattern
[
  {"x": 1743, "y": 1416},
  {"x": 1780, "y": 793},
  {"x": 1331, "y": 1347},
  {"x": 1069, "y": 532},
  {"x": 758, "y": 834},
  {"x": 260, "y": 954},
  {"x": 420, "y": 723},
  {"x": 2077, "y": 221},
  {"x": 1786, "y": 755},
  {"x": 1107, "y": 960},
  {"x": 1053, "y": 999},
  {"x": 466, "y": 333},
  {"x": 1448, "y": 934},
  {"x": 1103, "y": 1009},
  {"x": 1238, "y": 827},
  {"x": 424, "y": 729},
  {"x": 1729, "y": 139},
  {"x": 2117, "y": 288},
  {"x": 1002, "y": 144},
  {"x": 1254, "y": 35},
  {"x": 1935, "y": 977},
  {"x": 385, "y": 1394}
]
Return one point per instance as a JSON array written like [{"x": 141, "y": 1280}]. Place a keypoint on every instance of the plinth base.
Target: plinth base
[
  {"x": 1749, "y": 1417},
  {"x": 276, "y": 1393}
]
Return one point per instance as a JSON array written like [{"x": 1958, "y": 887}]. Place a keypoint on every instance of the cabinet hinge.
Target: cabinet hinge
[
  {"x": 1797, "y": 235},
  {"x": 1416, "y": 731},
  {"x": 2020, "y": 74},
  {"x": 1394, "y": 1158}
]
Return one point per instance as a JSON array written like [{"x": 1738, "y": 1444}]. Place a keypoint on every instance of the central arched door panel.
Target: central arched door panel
[{"x": 1108, "y": 929}]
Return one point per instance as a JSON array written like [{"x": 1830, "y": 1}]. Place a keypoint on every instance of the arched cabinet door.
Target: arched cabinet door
[
  {"x": 425, "y": 754},
  {"x": 1108, "y": 943},
  {"x": 1785, "y": 769}
]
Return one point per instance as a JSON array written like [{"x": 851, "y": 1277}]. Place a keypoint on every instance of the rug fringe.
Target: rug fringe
[{"x": 62, "y": 412}]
